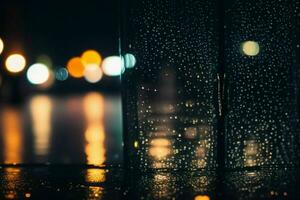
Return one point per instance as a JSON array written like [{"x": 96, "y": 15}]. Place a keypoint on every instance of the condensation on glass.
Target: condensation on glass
[
  {"x": 171, "y": 54},
  {"x": 262, "y": 67},
  {"x": 167, "y": 185}
]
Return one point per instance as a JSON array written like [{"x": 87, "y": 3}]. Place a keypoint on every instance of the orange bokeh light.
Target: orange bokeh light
[
  {"x": 91, "y": 57},
  {"x": 202, "y": 197},
  {"x": 75, "y": 67}
]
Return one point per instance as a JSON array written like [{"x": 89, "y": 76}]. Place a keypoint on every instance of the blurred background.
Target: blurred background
[{"x": 60, "y": 82}]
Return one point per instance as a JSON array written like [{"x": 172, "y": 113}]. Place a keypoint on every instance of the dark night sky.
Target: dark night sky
[{"x": 60, "y": 29}]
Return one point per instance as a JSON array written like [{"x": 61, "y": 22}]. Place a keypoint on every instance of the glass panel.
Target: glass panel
[
  {"x": 262, "y": 63},
  {"x": 171, "y": 56}
]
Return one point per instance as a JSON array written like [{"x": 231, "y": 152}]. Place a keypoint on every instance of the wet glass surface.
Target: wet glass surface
[
  {"x": 262, "y": 119},
  {"x": 170, "y": 102},
  {"x": 71, "y": 146}
]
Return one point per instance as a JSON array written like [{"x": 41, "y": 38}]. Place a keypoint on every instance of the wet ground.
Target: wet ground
[{"x": 82, "y": 182}]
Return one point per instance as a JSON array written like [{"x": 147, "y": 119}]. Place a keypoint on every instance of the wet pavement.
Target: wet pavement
[{"x": 87, "y": 182}]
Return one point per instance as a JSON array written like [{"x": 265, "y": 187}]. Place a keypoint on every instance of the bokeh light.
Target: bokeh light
[
  {"x": 201, "y": 197},
  {"x": 61, "y": 74},
  {"x": 75, "y": 67},
  {"x": 38, "y": 74},
  {"x": 91, "y": 57},
  {"x": 93, "y": 73},
  {"x": 50, "y": 81},
  {"x": 250, "y": 48},
  {"x": 15, "y": 63},
  {"x": 160, "y": 148},
  {"x": 129, "y": 61},
  {"x": 1, "y": 45},
  {"x": 113, "y": 66},
  {"x": 45, "y": 60}
]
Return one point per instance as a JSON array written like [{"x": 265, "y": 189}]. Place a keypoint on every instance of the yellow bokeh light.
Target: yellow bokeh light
[
  {"x": 1, "y": 45},
  {"x": 27, "y": 195},
  {"x": 91, "y": 57},
  {"x": 201, "y": 197},
  {"x": 250, "y": 48},
  {"x": 15, "y": 63},
  {"x": 160, "y": 142},
  {"x": 75, "y": 67},
  {"x": 160, "y": 148}
]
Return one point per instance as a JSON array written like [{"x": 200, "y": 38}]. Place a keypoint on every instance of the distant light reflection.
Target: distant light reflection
[
  {"x": 41, "y": 110},
  {"x": 95, "y": 175},
  {"x": 93, "y": 105},
  {"x": 160, "y": 148},
  {"x": 13, "y": 178},
  {"x": 163, "y": 185},
  {"x": 12, "y": 136},
  {"x": 201, "y": 197},
  {"x": 95, "y": 192},
  {"x": 251, "y": 153}
]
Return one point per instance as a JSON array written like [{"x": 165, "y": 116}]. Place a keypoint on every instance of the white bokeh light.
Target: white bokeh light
[
  {"x": 1, "y": 45},
  {"x": 113, "y": 66},
  {"x": 93, "y": 73},
  {"x": 38, "y": 74}
]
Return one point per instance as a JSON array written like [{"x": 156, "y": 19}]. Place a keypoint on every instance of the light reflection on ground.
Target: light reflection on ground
[{"x": 59, "y": 130}]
